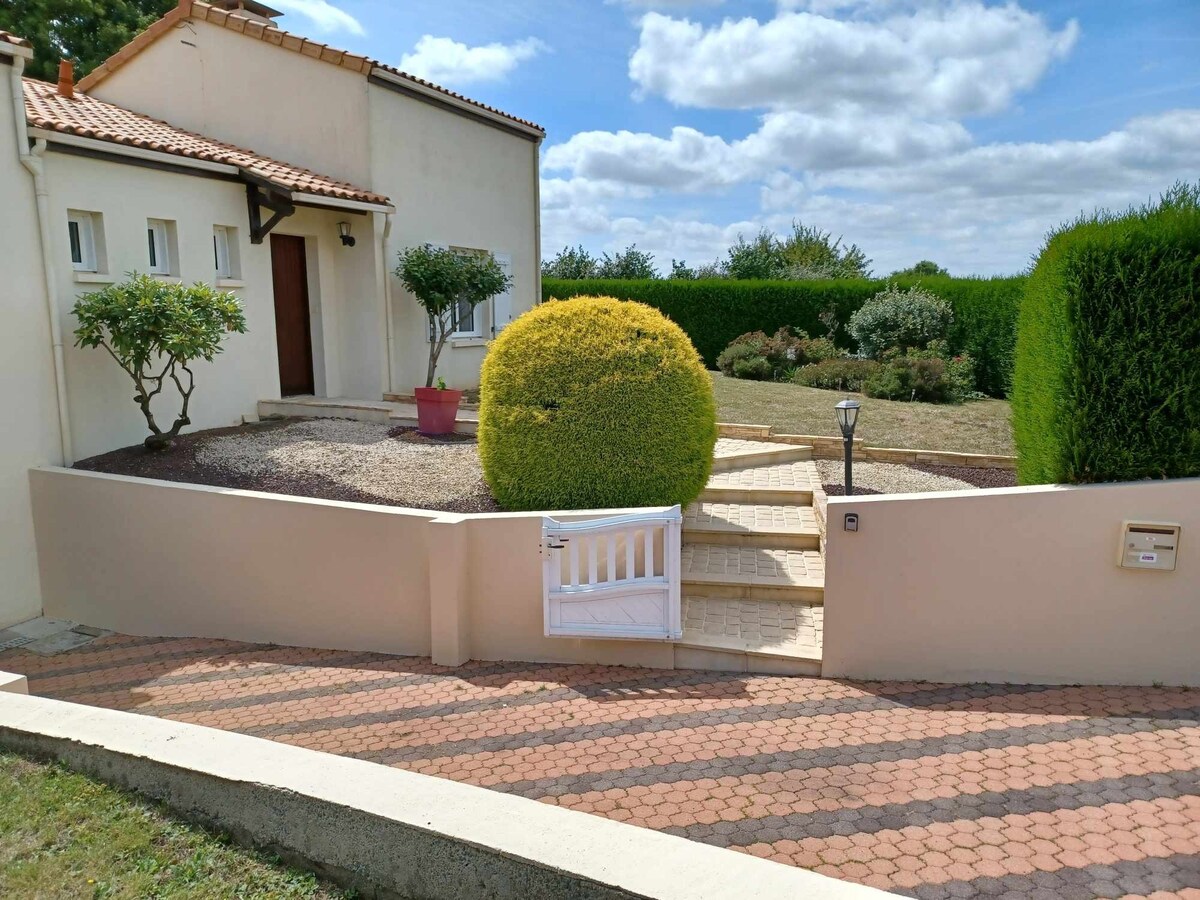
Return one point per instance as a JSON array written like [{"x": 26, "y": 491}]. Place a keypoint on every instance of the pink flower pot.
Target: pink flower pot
[{"x": 436, "y": 409}]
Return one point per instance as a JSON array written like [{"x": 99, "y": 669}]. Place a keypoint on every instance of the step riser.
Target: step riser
[
  {"x": 763, "y": 458},
  {"x": 724, "y": 661},
  {"x": 772, "y": 541},
  {"x": 757, "y": 496},
  {"x": 812, "y": 595}
]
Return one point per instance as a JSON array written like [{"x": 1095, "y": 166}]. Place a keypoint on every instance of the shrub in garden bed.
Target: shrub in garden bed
[
  {"x": 896, "y": 319},
  {"x": 837, "y": 374},
  {"x": 714, "y": 312},
  {"x": 592, "y": 403},
  {"x": 1107, "y": 379},
  {"x": 759, "y": 357}
]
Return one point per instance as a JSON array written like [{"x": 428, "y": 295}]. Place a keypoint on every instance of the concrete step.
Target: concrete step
[
  {"x": 732, "y": 454},
  {"x": 768, "y": 637},
  {"x": 384, "y": 412},
  {"x": 778, "y": 495},
  {"x": 752, "y": 525},
  {"x": 752, "y": 573}
]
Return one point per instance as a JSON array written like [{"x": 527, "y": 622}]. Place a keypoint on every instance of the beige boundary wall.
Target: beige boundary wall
[
  {"x": 1012, "y": 585},
  {"x": 389, "y": 832},
  {"x": 829, "y": 447},
  {"x": 159, "y": 558}
]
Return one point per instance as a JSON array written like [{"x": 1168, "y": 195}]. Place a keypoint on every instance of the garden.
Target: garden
[{"x": 592, "y": 402}]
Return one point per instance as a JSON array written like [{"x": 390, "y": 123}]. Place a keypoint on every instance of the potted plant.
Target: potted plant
[{"x": 446, "y": 284}]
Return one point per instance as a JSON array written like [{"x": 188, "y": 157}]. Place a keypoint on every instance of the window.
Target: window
[
  {"x": 82, "y": 235},
  {"x": 157, "y": 238},
  {"x": 224, "y": 251},
  {"x": 466, "y": 317}
]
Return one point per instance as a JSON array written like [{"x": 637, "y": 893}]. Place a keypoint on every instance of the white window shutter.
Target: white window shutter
[{"x": 502, "y": 307}]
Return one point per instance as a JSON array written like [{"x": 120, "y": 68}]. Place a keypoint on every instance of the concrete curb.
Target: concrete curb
[{"x": 388, "y": 832}]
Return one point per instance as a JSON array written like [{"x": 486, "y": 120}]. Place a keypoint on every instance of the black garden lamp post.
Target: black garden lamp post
[{"x": 847, "y": 415}]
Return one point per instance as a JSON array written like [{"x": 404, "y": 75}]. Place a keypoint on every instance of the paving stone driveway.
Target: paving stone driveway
[{"x": 924, "y": 789}]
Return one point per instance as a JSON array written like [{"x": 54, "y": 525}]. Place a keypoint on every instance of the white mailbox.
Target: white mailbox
[{"x": 1149, "y": 545}]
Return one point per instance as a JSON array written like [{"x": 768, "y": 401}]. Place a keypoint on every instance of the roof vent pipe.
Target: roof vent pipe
[{"x": 66, "y": 79}]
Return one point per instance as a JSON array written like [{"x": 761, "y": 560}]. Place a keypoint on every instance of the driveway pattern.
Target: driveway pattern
[{"x": 928, "y": 790}]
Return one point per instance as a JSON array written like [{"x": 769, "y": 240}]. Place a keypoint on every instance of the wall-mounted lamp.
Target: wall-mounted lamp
[{"x": 344, "y": 233}]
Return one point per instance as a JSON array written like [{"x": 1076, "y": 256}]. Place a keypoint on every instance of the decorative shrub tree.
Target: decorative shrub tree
[
  {"x": 147, "y": 325},
  {"x": 447, "y": 284},
  {"x": 595, "y": 402},
  {"x": 1107, "y": 379},
  {"x": 900, "y": 320}
]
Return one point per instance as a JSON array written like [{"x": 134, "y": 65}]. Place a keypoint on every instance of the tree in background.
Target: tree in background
[
  {"x": 809, "y": 252},
  {"x": 759, "y": 259},
  {"x": 86, "y": 31},
  {"x": 925, "y": 267},
  {"x": 571, "y": 262},
  {"x": 631, "y": 263},
  {"x": 806, "y": 253},
  {"x": 681, "y": 271}
]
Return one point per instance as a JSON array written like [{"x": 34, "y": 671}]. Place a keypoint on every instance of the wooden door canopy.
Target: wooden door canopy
[{"x": 260, "y": 193}]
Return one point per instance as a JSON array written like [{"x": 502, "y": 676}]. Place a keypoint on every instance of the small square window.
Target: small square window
[
  {"x": 81, "y": 233},
  {"x": 225, "y": 251},
  {"x": 158, "y": 246}
]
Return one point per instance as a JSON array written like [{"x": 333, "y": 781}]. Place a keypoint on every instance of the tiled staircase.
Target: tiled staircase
[{"x": 753, "y": 572}]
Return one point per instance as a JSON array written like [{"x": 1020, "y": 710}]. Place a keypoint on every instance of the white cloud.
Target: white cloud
[
  {"x": 689, "y": 160},
  {"x": 952, "y": 59},
  {"x": 443, "y": 60},
  {"x": 324, "y": 15},
  {"x": 980, "y": 209},
  {"x": 1147, "y": 151},
  {"x": 664, "y": 4}
]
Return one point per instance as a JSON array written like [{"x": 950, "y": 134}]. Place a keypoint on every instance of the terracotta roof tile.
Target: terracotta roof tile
[
  {"x": 204, "y": 12},
  {"x": 88, "y": 117}
]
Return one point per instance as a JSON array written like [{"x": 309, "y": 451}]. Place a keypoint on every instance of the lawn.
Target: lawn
[
  {"x": 66, "y": 836},
  {"x": 982, "y": 426}
]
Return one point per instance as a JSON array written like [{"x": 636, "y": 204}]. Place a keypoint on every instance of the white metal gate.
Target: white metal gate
[{"x": 613, "y": 578}]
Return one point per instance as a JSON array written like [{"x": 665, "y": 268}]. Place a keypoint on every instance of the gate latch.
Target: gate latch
[{"x": 552, "y": 542}]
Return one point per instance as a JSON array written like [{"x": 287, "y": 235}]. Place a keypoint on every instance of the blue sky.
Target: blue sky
[{"x": 954, "y": 130}]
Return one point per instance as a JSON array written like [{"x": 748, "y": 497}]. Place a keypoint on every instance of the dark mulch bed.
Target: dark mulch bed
[{"x": 980, "y": 478}]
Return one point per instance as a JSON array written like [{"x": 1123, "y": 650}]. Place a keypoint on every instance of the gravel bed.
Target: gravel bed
[
  {"x": 331, "y": 459},
  {"x": 892, "y": 478}
]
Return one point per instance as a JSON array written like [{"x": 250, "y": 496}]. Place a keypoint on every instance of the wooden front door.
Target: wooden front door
[{"x": 293, "y": 328}]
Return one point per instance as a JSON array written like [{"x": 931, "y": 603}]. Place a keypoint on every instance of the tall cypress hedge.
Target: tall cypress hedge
[
  {"x": 1107, "y": 378},
  {"x": 715, "y": 312}
]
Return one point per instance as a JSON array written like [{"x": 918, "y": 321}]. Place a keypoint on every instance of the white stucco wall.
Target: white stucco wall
[
  {"x": 26, "y": 372},
  {"x": 342, "y": 296},
  {"x": 1012, "y": 585},
  {"x": 458, "y": 182},
  {"x": 454, "y": 180},
  {"x": 103, "y": 415},
  {"x": 239, "y": 89}
]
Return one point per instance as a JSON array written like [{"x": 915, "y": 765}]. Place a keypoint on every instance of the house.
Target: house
[{"x": 216, "y": 147}]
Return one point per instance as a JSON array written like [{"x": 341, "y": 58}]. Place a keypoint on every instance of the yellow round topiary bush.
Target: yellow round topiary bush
[{"x": 595, "y": 403}]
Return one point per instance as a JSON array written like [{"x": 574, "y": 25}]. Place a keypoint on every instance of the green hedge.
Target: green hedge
[
  {"x": 713, "y": 313},
  {"x": 1107, "y": 380}
]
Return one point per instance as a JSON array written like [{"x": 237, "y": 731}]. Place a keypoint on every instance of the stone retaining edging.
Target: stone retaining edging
[{"x": 828, "y": 447}]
